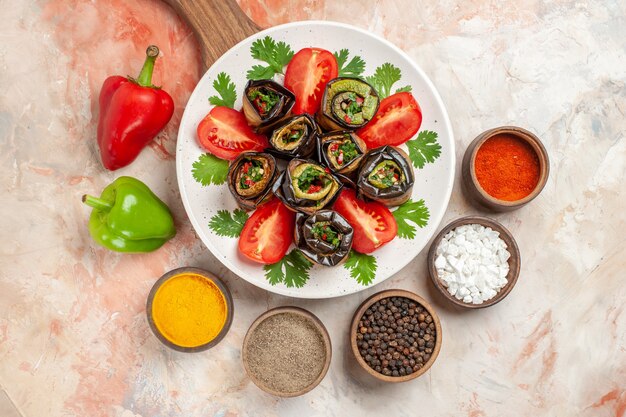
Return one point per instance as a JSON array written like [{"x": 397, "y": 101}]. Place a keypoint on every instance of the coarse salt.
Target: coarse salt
[{"x": 472, "y": 263}]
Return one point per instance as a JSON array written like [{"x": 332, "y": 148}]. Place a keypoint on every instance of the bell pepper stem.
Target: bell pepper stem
[
  {"x": 97, "y": 203},
  {"x": 145, "y": 76}
]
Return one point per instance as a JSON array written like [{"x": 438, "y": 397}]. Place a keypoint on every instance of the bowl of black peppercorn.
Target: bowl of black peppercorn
[{"x": 395, "y": 335}]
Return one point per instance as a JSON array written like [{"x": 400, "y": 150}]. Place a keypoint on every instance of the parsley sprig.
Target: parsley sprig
[
  {"x": 292, "y": 270},
  {"x": 225, "y": 223},
  {"x": 424, "y": 148},
  {"x": 384, "y": 78},
  {"x": 354, "y": 68},
  {"x": 226, "y": 90},
  {"x": 275, "y": 54},
  {"x": 362, "y": 267},
  {"x": 209, "y": 169},
  {"x": 409, "y": 214}
]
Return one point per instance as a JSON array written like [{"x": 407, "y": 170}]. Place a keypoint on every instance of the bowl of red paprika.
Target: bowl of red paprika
[{"x": 505, "y": 168}]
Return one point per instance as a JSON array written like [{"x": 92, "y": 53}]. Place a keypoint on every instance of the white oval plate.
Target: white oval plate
[{"x": 433, "y": 183}]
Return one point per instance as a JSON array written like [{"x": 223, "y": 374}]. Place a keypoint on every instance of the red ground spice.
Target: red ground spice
[{"x": 507, "y": 167}]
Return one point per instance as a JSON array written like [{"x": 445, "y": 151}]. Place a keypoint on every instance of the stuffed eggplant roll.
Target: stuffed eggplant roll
[
  {"x": 306, "y": 186},
  {"x": 265, "y": 103},
  {"x": 386, "y": 176},
  {"x": 250, "y": 178},
  {"x": 296, "y": 137},
  {"x": 324, "y": 237},
  {"x": 347, "y": 103},
  {"x": 342, "y": 151}
]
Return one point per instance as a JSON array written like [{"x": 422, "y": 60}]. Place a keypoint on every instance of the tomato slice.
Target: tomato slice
[
  {"x": 307, "y": 74},
  {"x": 268, "y": 233},
  {"x": 373, "y": 223},
  {"x": 225, "y": 133},
  {"x": 398, "y": 118}
]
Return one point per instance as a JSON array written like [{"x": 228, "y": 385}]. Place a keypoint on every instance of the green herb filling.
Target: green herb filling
[
  {"x": 293, "y": 136},
  {"x": 386, "y": 174},
  {"x": 312, "y": 180},
  {"x": 324, "y": 231},
  {"x": 343, "y": 152},
  {"x": 263, "y": 100},
  {"x": 252, "y": 172}
]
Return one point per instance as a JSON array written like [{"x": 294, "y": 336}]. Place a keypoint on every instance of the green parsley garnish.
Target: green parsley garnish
[
  {"x": 405, "y": 89},
  {"x": 275, "y": 54},
  {"x": 354, "y": 68},
  {"x": 409, "y": 214},
  {"x": 226, "y": 90},
  {"x": 424, "y": 148},
  {"x": 384, "y": 78},
  {"x": 226, "y": 224},
  {"x": 362, "y": 267},
  {"x": 209, "y": 169},
  {"x": 292, "y": 270}
]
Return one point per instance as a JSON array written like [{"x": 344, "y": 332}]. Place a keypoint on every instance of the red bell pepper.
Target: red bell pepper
[{"x": 132, "y": 113}]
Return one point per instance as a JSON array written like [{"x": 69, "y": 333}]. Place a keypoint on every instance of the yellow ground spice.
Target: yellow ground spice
[{"x": 189, "y": 310}]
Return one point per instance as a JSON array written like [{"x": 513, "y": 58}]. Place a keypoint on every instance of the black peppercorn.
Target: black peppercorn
[{"x": 396, "y": 336}]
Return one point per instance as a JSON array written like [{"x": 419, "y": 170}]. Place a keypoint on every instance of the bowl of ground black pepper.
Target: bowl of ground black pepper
[
  {"x": 505, "y": 168},
  {"x": 395, "y": 335},
  {"x": 286, "y": 351}
]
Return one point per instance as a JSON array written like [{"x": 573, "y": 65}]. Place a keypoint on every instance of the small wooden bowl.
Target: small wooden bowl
[
  {"x": 355, "y": 324},
  {"x": 475, "y": 191},
  {"x": 515, "y": 261},
  {"x": 197, "y": 271},
  {"x": 316, "y": 323}
]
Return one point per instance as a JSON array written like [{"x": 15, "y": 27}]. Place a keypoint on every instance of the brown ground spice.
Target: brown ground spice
[{"x": 286, "y": 352}]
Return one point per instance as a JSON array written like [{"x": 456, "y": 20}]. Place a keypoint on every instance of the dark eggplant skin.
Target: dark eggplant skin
[
  {"x": 279, "y": 112},
  {"x": 284, "y": 190},
  {"x": 306, "y": 146},
  {"x": 326, "y": 116},
  {"x": 328, "y": 139},
  {"x": 394, "y": 195},
  {"x": 317, "y": 250},
  {"x": 264, "y": 193}
]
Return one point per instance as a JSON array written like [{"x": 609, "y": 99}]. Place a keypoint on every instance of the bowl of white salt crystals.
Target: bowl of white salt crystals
[{"x": 474, "y": 262}]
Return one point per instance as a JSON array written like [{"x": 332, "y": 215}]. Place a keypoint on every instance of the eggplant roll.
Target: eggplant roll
[
  {"x": 305, "y": 186},
  {"x": 342, "y": 151},
  {"x": 386, "y": 176},
  {"x": 324, "y": 237},
  {"x": 296, "y": 137},
  {"x": 348, "y": 103},
  {"x": 250, "y": 178},
  {"x": 265, "y": 103}
]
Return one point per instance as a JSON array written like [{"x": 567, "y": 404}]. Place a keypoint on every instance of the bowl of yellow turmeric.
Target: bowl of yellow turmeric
[{"x": 189, "y": 309}]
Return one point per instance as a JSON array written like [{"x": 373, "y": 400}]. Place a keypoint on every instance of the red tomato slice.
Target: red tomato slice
[
  {"x": 307, "y": 74},
  {"x": 225, "y": 133},
  {"x": 373, "y": 223},
  {"x": 398, "y": 118},
  {"x": 267, "y": 234}
]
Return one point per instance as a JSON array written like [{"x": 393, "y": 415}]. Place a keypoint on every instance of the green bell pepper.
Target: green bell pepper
[{"x": 128, "y": 217}]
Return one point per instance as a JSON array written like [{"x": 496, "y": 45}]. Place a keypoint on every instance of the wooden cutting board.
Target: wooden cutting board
[{"x": 218, "y": 24}]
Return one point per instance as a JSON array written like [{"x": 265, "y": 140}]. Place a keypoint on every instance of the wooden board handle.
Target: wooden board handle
[{"x": 218, "y": 24}]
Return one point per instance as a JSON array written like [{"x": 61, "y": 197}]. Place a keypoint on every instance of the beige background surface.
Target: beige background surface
[{"x": 73, "y": 335}]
